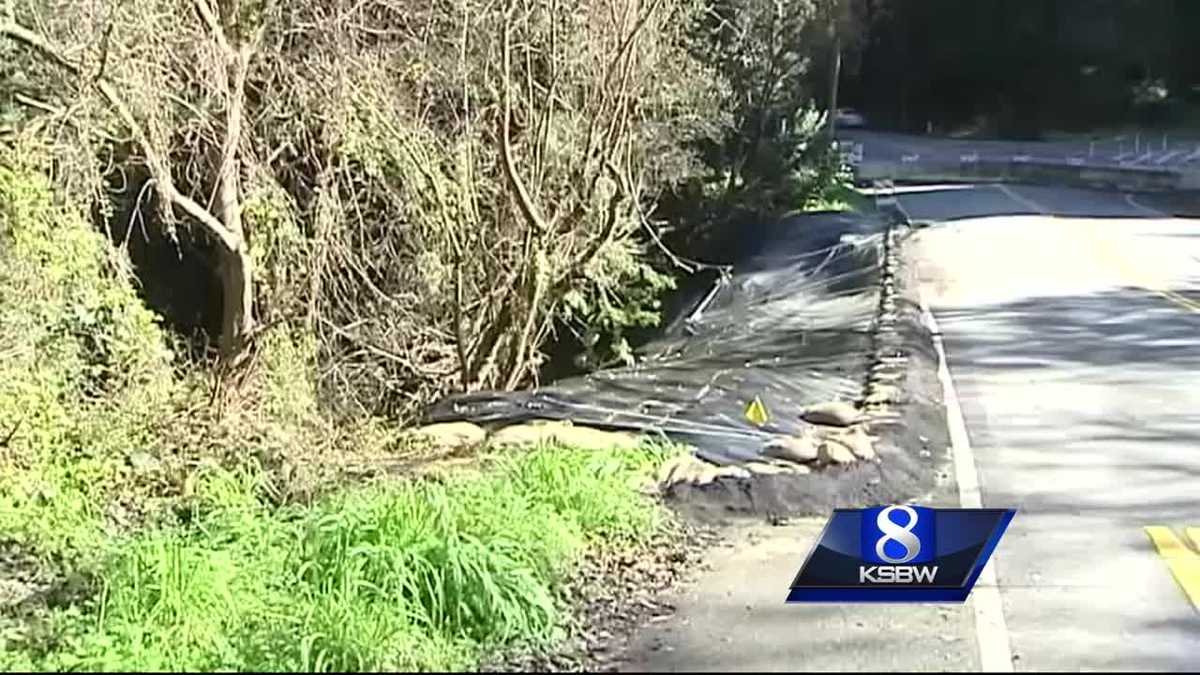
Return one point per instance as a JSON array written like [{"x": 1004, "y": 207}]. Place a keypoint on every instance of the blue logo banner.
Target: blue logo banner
[{"x": 900, "y": 553}]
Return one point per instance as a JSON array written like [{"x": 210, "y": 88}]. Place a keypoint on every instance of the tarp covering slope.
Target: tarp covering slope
[{"x": 790, "y": 325}]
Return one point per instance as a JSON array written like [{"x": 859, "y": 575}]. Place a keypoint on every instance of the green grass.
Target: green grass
[
  {"x": 840, "y": 197},
  {"x": 424, "y": 575}
]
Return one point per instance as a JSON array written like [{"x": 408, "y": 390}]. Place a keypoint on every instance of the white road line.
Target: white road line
[
  {"x": 991, "y": 630},
  {"x": 1152, "y": 212},
  {"x": 1023, "y": 201}
]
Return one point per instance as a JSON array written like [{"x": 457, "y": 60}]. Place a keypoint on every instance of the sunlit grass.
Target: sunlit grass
[
  {"x": 838, "y": 198},
  {"x": 397, "y": 575}
]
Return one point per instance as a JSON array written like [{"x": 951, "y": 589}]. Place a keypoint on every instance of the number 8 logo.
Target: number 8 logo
[{"x": 901, "y": 535}]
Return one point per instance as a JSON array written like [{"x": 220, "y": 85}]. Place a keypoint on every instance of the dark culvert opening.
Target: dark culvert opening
[{"x": 176, "y": 271}]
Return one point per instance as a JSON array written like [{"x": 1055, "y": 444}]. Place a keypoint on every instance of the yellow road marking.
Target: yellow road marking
[
  {"x": 1183, "y": 562},
  {"x": 1164, "y": 293},
  {"x": 1178, "y": 299},
  {"x": 1169, "y": 546}
]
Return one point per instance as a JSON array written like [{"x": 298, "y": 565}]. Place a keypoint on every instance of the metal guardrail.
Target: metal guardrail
[
  {"x": 1095, "y": 164},
  {"x": 853, "y": 155},
  {"x": 1137, "y": 151}
]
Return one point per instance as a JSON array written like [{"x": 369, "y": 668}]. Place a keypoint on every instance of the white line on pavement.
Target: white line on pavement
[
  {"x": 991, "y": 630},
  {"x": 1154, "y": 213},
  {"x": 1023, "y": 201}
]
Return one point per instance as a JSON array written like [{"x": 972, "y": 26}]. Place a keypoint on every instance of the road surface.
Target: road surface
[{"x": 1072, "y": 331}]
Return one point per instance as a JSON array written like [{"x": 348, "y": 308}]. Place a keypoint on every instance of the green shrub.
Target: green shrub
[
  {"x": 84, "y": 369},
  {"x": 392, "y": 576}
]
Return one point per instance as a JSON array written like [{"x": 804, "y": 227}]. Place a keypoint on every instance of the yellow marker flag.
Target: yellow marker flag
[{"x": 757, "y": 413}]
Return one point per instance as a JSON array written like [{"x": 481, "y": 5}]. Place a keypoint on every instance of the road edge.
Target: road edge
[{"x": 991, "y": 629}]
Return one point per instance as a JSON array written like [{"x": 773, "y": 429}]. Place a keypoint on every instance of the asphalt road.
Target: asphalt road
[
  {"x": 1073, "y": 338},
  {"x": 1075, "y": 351}
]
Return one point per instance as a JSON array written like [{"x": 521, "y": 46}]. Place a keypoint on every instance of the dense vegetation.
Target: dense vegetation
[
  {"x": 1018, "y": 68},
  {"x": 422, "y": 194},
  {"x": 243, "y": 242}
]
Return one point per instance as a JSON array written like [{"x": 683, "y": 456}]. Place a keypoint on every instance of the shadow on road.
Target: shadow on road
[
  {"x": 1083, "y": 413},
  {"x": 1124, "y": 327},
  {"x": 948, "y": 203},
  {"x": 1111, "y": 377}
]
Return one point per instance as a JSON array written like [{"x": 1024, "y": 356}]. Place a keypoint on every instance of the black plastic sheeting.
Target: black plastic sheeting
[{"x": 791, "y": 324}]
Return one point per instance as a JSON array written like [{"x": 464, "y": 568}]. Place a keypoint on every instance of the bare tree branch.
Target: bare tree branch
[
  {"x": 510, "y": 165},
  {"x": 212, "y": 23},
  {"x": 166, "y": 186}
]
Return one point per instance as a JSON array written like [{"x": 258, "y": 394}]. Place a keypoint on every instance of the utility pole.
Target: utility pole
[{"x": 835, "y": 75}]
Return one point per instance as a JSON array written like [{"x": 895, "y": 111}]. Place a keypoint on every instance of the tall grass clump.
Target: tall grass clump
[{"x": 394, "y": 575}]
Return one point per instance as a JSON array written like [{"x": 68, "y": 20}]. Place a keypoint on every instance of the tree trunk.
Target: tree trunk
[
  {"x": 224, "y": 224},
  {"x": 235, "y": 270},
  {"x": 835, "y": 76},
  {"x": 236, "y": 267}
]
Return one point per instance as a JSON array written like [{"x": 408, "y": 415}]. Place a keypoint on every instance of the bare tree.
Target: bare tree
[
  {"x": 492, "y": 193},
  {"x": 429, "y": 190},
  {"x": 229, "y": 37}
]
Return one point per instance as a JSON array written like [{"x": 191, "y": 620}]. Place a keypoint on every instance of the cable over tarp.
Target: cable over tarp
[{"x": 790, "y": 325}]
